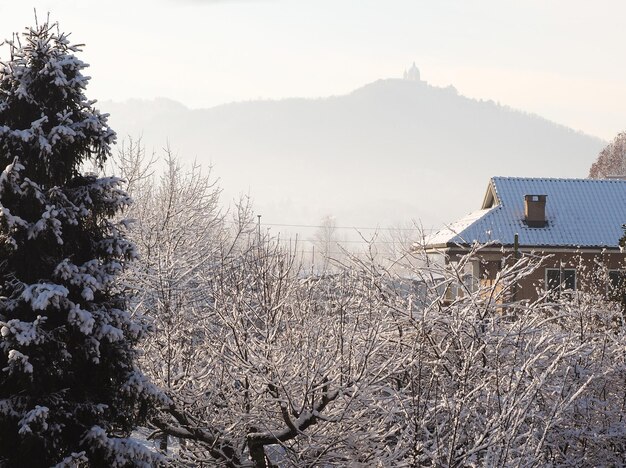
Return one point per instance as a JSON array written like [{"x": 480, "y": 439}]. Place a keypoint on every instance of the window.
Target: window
[
  {"x": 468, "y": 280},
  {"x": 559, "y": 280}
]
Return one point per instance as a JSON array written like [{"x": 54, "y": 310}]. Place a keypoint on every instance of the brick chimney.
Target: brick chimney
[{"x": 535, "y": 210}]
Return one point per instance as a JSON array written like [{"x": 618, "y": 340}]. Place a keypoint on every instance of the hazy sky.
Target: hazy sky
[{"x": 562, "y": 59}]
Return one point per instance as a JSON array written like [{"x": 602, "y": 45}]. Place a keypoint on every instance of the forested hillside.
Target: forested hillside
[{"x": 390, "y": 151}]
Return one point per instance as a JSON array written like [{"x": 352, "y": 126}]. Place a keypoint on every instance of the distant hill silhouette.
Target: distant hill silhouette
[{"x": 392, "y": 150}]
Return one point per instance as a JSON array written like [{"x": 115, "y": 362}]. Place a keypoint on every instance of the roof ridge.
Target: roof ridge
[{"x": 563, "y": 179}]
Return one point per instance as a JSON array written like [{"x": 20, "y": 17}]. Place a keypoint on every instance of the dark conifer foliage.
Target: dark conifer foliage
[{"x": 69, "y": 390}]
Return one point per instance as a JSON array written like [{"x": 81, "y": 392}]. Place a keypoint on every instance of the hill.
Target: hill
[{"x": 390, "y": 151}]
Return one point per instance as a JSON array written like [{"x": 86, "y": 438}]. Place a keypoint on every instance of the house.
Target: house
[{"x": 574, "y": 224}]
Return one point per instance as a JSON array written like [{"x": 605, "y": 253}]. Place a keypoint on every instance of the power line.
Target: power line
[
  {"x": 363, "y": 228},
  {"x": 333, "y": 241}
]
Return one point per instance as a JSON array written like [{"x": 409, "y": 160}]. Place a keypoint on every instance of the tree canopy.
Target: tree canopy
[{"x": 611, "y": 160}]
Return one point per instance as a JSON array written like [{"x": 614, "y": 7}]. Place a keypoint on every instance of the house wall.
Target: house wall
[{"x": 590, "y": 266}]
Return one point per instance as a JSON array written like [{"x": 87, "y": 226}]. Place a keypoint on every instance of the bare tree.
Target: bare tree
[
  {"x": 178, "y": 229},
  {"x": 612, "y": 160},
  {"x": 499, "y": 383},
  {"x": 268, "y": 365},
  {"x": 326, "y": 243},
  {"x": 361, "y": 367},
  {"x": 300, "y": 365}
]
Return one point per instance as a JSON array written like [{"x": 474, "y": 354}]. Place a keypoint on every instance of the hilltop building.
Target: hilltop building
[{"x": 412, "y": 74}]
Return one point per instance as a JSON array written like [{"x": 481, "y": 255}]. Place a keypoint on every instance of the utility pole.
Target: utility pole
[
  {"x": 516, "y": 255},
  {"x": 259, "y": 227}
]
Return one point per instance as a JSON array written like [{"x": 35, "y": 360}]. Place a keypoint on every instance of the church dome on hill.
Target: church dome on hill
[{"x": 412, "y": 74}]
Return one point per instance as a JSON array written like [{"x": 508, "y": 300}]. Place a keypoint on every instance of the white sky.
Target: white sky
[{"x": 562, "y": 59}]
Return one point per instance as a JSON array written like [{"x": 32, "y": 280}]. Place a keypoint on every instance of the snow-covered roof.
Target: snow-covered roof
[{"x": 579, "y": 213}]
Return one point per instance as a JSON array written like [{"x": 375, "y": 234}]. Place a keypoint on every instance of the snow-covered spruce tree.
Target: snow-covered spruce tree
[{"x": 69, "y": 391}]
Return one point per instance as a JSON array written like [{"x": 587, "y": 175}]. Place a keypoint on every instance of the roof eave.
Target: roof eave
[{"x": 496, "y": 245}]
